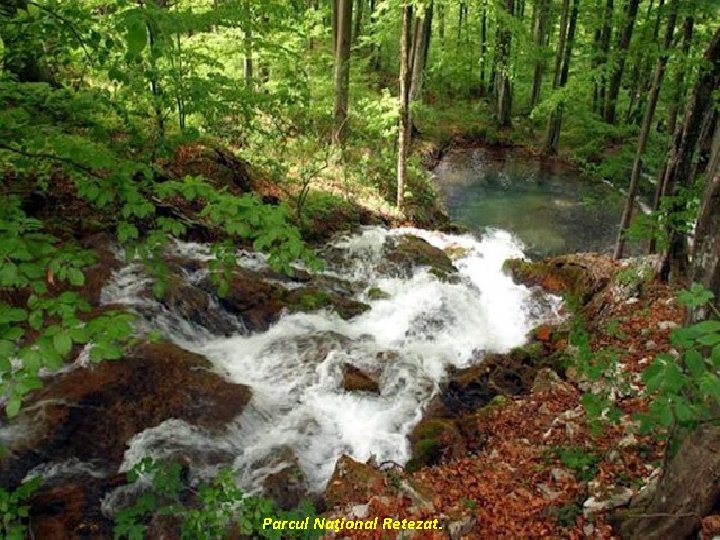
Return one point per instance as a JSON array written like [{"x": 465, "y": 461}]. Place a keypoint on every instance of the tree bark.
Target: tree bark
[
  {"x": 678, "y": 93},
  {"x": 631, "y": 10},
  {"x": 552, "y": 139},
  {"x": 342, "y": 70},
  {"x": 605, "y": 39},
  {"x": 404, "y": 98},
  {"x": 542, "y": 9},
  {"x": 358, "y": 20},
  {"x": 504, "y": 86},
  {"x": 423, "y": 27},
  {"x": 680, "y": 167},
  {"x": 483, "y": 46},
  {"x": 660, "y": 66}
]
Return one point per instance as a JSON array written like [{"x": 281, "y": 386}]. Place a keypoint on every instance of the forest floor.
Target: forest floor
[{"x": 543, "y": 470}]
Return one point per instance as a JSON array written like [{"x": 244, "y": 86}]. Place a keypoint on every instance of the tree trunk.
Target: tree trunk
[
  {"x": 248, "y": 58},
  {"x": 605, "y": 39},
  {"x": 358, "y": 21},
  {"x": 552, "y": 139},
  {"x": 542, "y": 9},
  {"x": 685, "y": 141},
  {"x": 678, "y": 93},
  {"x": 483, "y": 46},
  {"x": 405, "y": 120},
  {"x": 640, "y": 77},
  {"x": 631, "y": 9},
  {"x": 423, "y": 27},
  {"x": 342, "y": 70},
  {"x": 504, "y": 87},
  {"x": 441, "y": 24},
  {"x": 645, "y": 131},
  {"x": 462, "y": 15}
]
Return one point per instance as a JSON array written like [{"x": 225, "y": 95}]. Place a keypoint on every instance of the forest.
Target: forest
[{"x": 445, "y": 260}]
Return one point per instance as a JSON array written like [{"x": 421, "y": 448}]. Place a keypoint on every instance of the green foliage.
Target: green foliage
[
  {"x": 203, "y": 512},
  {"x": 685, "y": 389},
  {"x": 583, "y": 462},
  {"x": 14, "y": 510}
]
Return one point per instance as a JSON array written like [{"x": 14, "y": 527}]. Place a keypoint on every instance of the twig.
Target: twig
[{"x": 68, "y": 24}]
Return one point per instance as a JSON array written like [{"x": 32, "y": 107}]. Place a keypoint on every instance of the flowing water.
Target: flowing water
[
  {"x": 551, "y": 208},
  {"x": 409, "y": 339}
]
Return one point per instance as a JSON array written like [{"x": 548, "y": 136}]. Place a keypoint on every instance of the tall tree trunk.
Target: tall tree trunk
[
  {"x": 605, "y": 39},
  {"x": 685, "y": 141},
  {"x": 483, "y": 46},
  {"x": 358, "y": 21},
  {"x": 706, "y": 245},
  {"x": 462, "y": 16},
  {"x": 678, "y": 92},
  {"x": 342, "y": 70},
  {"x": 504, "y": 90},
  {"x": 335, "y": 10},
  {"x": 552, "y": 139},
  {"x": 248, "y": 58},
  {"x": 631, "y": 9},
  {"x": 645, "y": 131},
  {"x": 405, "y": 120},
  {"x": 640, "y": 77},
  {"x": 423, "y": 28},
  {"x": 441, "y": 24},
  {"x": 542, "y": 9}
]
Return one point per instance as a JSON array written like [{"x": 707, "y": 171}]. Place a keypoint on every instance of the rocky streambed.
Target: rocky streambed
[{"x": 283, "y": 375}]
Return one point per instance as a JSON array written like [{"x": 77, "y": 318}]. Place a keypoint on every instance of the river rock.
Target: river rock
[
  {"x": 90, "y": 414},
  {"x": 287, "y": 485},
  {"x": 403, "y": 254},
  {"x": 353, "y": 482},
  {"x": 356, "y": 380}
]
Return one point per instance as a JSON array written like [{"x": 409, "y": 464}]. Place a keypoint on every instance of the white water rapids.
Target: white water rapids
[{"x": 295, "y": 368}]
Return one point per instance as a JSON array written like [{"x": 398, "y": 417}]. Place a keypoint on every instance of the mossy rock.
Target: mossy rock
[
  {"x": 406, "y": 252},
  {"x": 577, "y": 276},
  {"x": 376, "y": 293},
  {"x": 434, "y": 439}
]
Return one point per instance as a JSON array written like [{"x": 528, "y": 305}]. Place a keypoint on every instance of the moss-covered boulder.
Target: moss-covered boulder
[
  {"x": 434, "y": 439},
  {"x": 579, "y": 276},
  {"x": 404, "y": 253}
]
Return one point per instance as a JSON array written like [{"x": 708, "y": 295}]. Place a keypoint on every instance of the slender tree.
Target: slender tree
[
  {"x": 631, "y": 9},
  {"x": 342, "y": 69},
  {"x": 504, "y": 84},
  {"x": 405, "y": 121},
  {"x": 604, "y": 52},
  {"x": 421, "y": 42},
  {"x": 540, "y": 19},
  {"x": 552, "y": 138},
  {"x": 646, "y": 125},
  {"x": 483, "y": 46}
]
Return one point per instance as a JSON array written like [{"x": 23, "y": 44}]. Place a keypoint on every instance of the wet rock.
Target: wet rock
[
  {"x": 194, "y": 304},
  {"x": 72, "y": 509},
  {"x": 353, "y": 482},
  {"x": 90, "y": 414},
  {"x": 286, "y": 486},
  {"x": 405, "y": 253},
  {"x": 580, "y": 275},
  {"x": 356, "y": 380}
]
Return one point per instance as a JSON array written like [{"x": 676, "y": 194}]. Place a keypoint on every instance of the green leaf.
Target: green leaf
[
  {"x": 76, "y": 277},
  {"x": 13, "y": 406},
  {"x": 695, "y": 363},
  {"x": 62, "y": 343},
  {"x": 136, "y": 34},
  {"x": 707, "y": 327}
]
